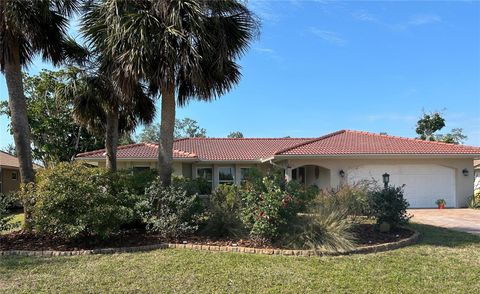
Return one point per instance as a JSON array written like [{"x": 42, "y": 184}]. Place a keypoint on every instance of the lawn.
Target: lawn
[{"x": 443, "y": 261}]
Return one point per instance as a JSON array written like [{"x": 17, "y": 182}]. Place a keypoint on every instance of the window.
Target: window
[
  {"x": 225, "y": 175},
  {"x": 14, "y": 175},
  {"x": 139, "y": 169},
  {"x": 243, "y": 173},
  {"x": 205, "y": 173}
]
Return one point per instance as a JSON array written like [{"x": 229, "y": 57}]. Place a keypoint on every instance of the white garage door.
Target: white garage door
[{"x": 424, "y": 183}]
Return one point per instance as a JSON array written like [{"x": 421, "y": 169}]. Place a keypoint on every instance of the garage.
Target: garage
[{"x": 424, "y": 183}]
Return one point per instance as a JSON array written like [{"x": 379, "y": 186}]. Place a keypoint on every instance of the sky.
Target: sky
[{"x": 322, "y": 66}]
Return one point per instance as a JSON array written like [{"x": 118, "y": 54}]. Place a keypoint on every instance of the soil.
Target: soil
[{"x": 366, "y": 235}]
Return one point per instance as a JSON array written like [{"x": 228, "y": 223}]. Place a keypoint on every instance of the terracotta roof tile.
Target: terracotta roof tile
[
  {"x": 343, "y": 142},
  {"x": 355, "y": 142}
]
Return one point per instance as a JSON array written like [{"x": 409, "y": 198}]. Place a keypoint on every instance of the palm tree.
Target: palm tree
[
  {"x": 183, "y": 49},
  {"x": 99, "y": 107},
  {"x": 28, "y": 28}
]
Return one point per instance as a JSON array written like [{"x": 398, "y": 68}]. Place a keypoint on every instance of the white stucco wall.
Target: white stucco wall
[{"x": 463, "y": 184}]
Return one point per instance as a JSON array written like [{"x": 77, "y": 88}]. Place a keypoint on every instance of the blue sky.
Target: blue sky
[{"x": 321, "y": 66}]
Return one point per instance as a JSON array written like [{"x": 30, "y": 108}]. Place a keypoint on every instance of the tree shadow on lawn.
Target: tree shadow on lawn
[
  {"x": 11, "y": 263},
  {"x": 437, "y": 236}
]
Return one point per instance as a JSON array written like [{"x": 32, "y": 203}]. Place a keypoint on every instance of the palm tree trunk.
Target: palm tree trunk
[
  {"x": 20, "y": 127},
  {"x": 167, "y": 126},
  {"x": 111, "y": 139}
]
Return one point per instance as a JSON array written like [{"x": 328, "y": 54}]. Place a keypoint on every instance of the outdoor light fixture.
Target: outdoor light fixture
[
  {"x": 465, "y": 172},
  {"x": 386, "y": 179},
  {"x": 341, "y": 173}
]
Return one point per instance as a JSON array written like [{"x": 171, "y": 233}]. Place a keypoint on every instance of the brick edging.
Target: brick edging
[{"x": 216, "y": 248}]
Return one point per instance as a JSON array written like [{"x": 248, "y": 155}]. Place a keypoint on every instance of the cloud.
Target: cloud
[
  {"x": 269, "y": 52},
  {"x": 423, "y": 19},
  {"x": 329, "y": 36},
  {"x": 264, "y": 10},
  {"x": 363, "y": 15}
]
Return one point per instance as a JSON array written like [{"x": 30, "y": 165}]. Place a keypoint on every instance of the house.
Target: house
[
  {"x": 9, "y": 173},
  {"x": 476, "y": 168},
  {"x": 429, "y": 170}
]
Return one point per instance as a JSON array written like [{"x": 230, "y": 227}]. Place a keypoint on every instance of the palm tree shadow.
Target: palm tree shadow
[{"x": 437, "y": 236}]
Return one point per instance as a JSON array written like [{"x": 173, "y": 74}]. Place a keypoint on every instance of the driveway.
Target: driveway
[{"x": 466, "y": 220}]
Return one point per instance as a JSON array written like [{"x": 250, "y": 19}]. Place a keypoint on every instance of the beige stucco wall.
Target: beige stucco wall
[
  {"x": 9, "y": 185},
  {"x": 464, "y": 184}
]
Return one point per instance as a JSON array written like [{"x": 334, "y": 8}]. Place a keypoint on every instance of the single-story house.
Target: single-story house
[
  {"x": 9, "y": 173},
  {"x": 429, "y": 170},
  {"x": 476, "y": 168}
]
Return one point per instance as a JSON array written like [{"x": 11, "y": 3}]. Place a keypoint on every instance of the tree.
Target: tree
[
  {"x": 28, "y": 28},
  {"x": 55, "y": 137},
  {"x": 184, "y": 49},
  {"x": 102, "y": 109},
  {"x": 10, "y": 149},
  {"x": 150, "y": 134},
  {"x": 455, "y": 136},
  {"x": 428, "y": 124},
  {"x": 188, "y": 128},
  {"x": 236, "y": 134},
  {"x": 185, "y": 128}
]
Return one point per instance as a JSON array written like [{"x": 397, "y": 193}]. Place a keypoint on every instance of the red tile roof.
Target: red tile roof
[
  {"x": 355, "y": 142},
  {"x": 343, "y": 142},
  {"x": 140, "y": 150},
  {"x": 236, "y": 148}
]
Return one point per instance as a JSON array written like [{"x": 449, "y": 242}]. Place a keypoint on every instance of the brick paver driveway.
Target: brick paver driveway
[{"x": 466, "y": 220}]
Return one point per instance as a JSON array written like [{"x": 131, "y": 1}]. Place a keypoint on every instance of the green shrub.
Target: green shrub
[
  {"x": 270, "y": 204},
  {"x": 324, "y": 227},
  {"x": 388, "y": 206},
  {"x": 198, "y": 186},
  {"x": 137, "y": 181},
  {"x": 6, "y": 224},
  {"x": 223, "y": 212},
  {"x": 74, "y": 200},
  {"x": 474, "y": 201},
  {"x": 171, "y": 211}
]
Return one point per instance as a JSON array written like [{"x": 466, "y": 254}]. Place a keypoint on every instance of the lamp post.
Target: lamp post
[{"x": 386, "y": 179}]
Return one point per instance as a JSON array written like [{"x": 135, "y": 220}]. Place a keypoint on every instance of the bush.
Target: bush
[
  {"x": 6, "y": 224},
  {"x": 389, "y": 207},
  {"x": 74, "y": 200},
  {"x": 354, "y": 199},
  {"x": 474, "y": 201},
  {"x": 171, "y": 211},
  {"x": 270, "y": 204},
  {"x": 325, "y": 227},
  {"x": 137, "y": 181},
  {"x": 223, "y": 209}
]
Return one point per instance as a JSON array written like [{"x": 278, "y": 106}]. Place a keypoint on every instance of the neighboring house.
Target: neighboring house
[
  {"x": 476, "y": 168},
  {"x": 9, "y": 173},
  {"x": 429, "y": 170}
]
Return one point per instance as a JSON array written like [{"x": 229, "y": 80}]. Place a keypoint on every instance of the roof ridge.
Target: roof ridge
[
  {"x": 250, "y": 138},
  {"x": 103, "y": 150},
  {"x": 309, "y": 141},
  {"x": 411, "y": 139}
]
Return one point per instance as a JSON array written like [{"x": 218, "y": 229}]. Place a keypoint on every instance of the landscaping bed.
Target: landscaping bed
[{"x": 366, "y": 235}]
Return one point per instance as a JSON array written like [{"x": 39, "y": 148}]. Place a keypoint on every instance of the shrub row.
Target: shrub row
[{"x": 78, "y": 201}]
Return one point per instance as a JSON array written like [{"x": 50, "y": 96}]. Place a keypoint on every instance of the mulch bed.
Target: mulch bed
[{"x": 366, "y": 235}]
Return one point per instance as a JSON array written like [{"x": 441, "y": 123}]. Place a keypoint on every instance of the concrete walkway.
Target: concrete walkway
[{"x": 465, "y": 220}]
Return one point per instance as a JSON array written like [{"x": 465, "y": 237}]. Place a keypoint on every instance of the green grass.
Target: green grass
[
  {"x": 443, "y": 262},
  {"x": 18, "y": 217}
]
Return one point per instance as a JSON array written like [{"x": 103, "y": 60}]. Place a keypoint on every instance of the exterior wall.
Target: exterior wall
[
  {"x": 323, "y": 180},
  {"x": 463, "y": 186},
  {"x": 8, "y": 184}
]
